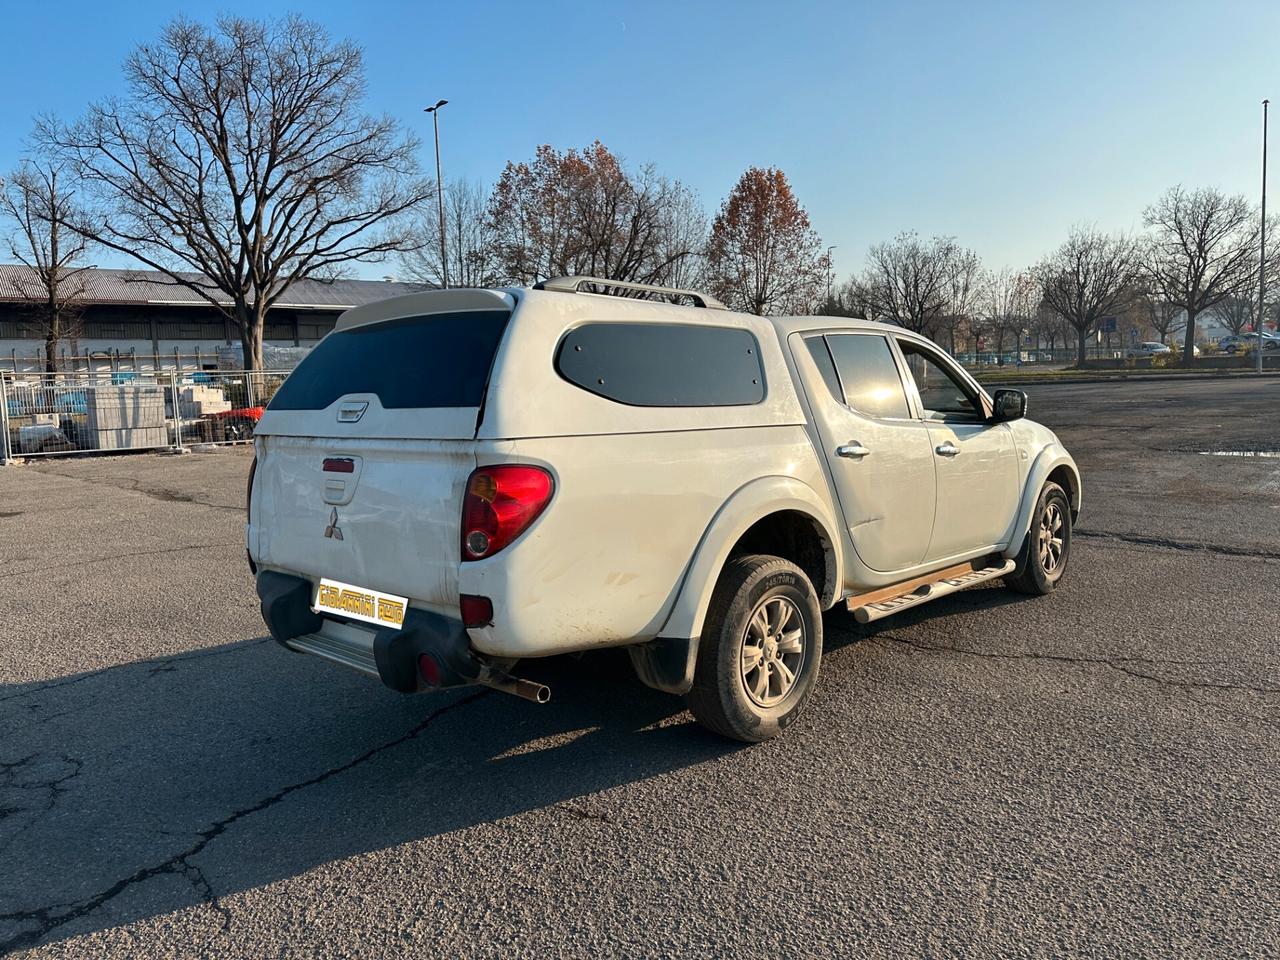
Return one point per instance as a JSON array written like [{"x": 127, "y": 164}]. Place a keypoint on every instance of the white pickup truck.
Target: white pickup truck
[{"x": 456, "y": 480}]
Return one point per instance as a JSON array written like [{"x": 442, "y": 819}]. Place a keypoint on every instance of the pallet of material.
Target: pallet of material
[
  {"x": 124, "y": 407},
  {"x": 130, "y": 439}
]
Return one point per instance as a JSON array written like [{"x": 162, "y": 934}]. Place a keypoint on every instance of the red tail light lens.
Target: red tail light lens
[{"x": 500, "y": 503}]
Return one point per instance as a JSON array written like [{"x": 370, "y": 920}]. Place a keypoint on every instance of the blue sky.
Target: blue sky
[{"x": 1000, "y": 123}]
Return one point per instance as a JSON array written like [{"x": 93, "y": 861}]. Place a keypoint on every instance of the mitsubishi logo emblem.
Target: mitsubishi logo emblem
[{"x": 333, "y": 531}]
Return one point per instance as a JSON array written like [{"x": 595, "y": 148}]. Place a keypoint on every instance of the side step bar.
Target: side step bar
[{"x": 882, "y": 603}]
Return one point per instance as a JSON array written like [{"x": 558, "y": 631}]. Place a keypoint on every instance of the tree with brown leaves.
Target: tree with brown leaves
[
  {"x": 240, "y": 162},
  {"x": 763, "y": 256},
  {"x": 583, "y": 213}
]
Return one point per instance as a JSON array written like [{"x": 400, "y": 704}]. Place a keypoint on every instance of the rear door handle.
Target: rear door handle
[
  {"x": 854, "y": 451},
  {"x": 947, "y": 449}
]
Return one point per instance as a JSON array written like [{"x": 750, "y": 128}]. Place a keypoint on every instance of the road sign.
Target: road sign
[
  {"x": 1133, "y": 334},
  {"x": 1107, "y": 325}
]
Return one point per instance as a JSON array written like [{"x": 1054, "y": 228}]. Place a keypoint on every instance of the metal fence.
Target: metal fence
[{"x": 48, "y": 414}]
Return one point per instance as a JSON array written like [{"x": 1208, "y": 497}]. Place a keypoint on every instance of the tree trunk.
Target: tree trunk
[
  {"x": 51, "y": 352},
  {"x": 1189, "y": 347},
  {"x": 1080, "y": 350},
  {"x": 250, "y": 322}
]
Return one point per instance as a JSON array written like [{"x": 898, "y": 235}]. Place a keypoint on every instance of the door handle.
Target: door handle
[
  {"x": 854, "y": 451},
  {"x": 947, "y": 449}
]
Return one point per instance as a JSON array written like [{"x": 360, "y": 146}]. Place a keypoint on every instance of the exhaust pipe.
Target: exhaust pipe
[{"x": 537, "y": 692}]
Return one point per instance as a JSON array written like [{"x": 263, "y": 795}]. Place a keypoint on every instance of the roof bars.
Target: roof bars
[{"x": 575, "y": 284}]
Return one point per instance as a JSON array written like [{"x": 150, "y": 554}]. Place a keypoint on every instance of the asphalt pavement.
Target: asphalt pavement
[{"x": 1093, "y": 773}]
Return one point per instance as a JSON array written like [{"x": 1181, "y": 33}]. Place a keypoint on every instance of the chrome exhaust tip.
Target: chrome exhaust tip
[{"x": 526, "y": 689}]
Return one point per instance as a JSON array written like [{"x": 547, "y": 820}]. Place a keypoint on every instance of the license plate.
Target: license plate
[{"x": 360, "y": 603}]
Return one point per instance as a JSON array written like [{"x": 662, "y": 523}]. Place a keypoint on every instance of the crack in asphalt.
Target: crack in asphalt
[
  {"x": 200, "y": 881},
  {"x": 45, "y": 920},
  {"x": 1121, "y": 664},
  {"x": 1185, "y": 546},
  {"x": 154, "y": 666},
  {"x": 56, "y": 787},
  {"x": 119, "y": 556},
  {"x": 134, "y": 485}
]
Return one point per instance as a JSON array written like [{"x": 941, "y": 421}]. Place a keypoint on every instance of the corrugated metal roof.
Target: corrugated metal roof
[{"x": 18, "y": 283}]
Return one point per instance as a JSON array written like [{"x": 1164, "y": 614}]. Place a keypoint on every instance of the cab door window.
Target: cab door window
[{"x": 944, "y": 395}]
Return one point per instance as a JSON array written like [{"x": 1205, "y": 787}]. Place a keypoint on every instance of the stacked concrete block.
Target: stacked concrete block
[
  {"x": 201, "y": 401},
  {"x": 125, "y": 416}
]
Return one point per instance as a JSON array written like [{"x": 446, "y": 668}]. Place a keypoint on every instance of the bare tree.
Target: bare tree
[
  {"x": 849, "y": 299},
  {"x": 1009, "y": 303},
  {"x": 764, "y": 257},
  {"x": 1086, "y": 279},
  {"x": 1048, "y": 326},
  {"x": 470, "y": 240},
  {"x": 584, "y": 213},
  {"x": 1203, "y": 250},
  {"x": 910, "y": 282},
  {"x": 241, "y": 162},
  {"x": 1164, "y": 318},
  {"x": 1236, "y": 312},
  {"x": 964, "y": 286},
  {"x": 39, "y": 202}
]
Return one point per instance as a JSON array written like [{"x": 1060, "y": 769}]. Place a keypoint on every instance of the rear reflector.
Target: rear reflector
[
  {"x": 339, "y": 465},
  {"x": 429, "y": 669},
  {"x": 476, "y": 611}
]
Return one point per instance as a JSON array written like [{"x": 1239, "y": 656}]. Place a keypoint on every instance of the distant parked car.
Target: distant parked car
[
  {"x": 1146, "y": 350},
  {"x": 1241, "y": 343}
]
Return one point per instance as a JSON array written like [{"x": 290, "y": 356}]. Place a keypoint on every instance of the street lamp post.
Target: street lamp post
[
  {"x": 1262, "y": 241},
  {"x": 444, "y": 258}
]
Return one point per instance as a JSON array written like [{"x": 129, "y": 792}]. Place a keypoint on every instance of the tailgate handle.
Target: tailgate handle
[{"x": 351, "y": 412}]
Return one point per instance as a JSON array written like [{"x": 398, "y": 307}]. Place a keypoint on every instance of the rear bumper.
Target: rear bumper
[{"x": 390, "y": 655}]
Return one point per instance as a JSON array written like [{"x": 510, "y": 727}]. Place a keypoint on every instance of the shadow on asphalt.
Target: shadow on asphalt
[
  {"x": 237, "y": 766},
  {"x": 842, "y": 630},
  {"x": 113, "y": 779}
]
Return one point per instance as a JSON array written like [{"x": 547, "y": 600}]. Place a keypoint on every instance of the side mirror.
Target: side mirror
[{"x": 1008, "y": 405}]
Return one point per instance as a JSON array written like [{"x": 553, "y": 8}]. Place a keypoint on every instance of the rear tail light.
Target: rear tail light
[{"x": 500, "y": 503}]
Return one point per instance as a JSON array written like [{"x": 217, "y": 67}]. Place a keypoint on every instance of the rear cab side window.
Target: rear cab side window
[
  {"x": 664, "y": 364},
  {"x": 868, "y": 373}
]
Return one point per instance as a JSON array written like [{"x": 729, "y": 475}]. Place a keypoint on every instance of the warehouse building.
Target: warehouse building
[{"x": 142, "y": 320}]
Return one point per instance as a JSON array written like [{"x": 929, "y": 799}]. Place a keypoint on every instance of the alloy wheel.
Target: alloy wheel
[
  {"x": 773, "y": 651},
  {"x": 1051, "y": 537}
]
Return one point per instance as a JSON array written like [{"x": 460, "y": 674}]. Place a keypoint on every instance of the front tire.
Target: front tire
[
  {"x": 1047, "y": 547},
  {"x": 760, "y": 649}
]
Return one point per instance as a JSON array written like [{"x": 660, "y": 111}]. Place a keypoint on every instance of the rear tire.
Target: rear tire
[
  {"x": 760, "y": 649},
  {"x": 1047, "y": 547}
]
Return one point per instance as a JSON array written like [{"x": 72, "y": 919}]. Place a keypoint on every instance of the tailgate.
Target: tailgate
[
  {"x": 386, "y": 514},
  {"x": 365, "y": 450}
]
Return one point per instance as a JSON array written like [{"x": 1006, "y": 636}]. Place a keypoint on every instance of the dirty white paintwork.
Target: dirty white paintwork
[{"x": 648, "y": 502}]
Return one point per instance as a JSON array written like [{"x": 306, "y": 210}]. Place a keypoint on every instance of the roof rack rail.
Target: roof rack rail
[{"x": 574, "y": 285}]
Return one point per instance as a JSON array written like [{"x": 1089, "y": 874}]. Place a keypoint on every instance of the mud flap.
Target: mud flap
[{"x": 666, "y": 663}]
